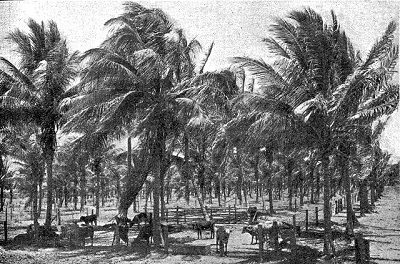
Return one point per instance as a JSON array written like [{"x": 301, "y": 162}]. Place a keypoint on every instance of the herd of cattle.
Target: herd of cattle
[{"x": 274, "y": 232}]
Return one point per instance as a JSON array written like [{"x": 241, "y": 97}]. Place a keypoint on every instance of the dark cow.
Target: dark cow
[
  {"x": 204, "y": 225},
  {"x": 139, "y": 218},
  {"x": 89, "y": 219},
  {"x": 77, "y": 234},
  {"x": 222, "y": 239},
  {"x": 145, "y": 233},
  {"x": 253, "y": 214},
  {"x": 253, "y": 231},
  {"x": 45, "y": 233},
  {"x": 123, "y": 231}
]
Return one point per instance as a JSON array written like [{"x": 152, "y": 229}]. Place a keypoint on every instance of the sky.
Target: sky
[{"x": 236, "y": 27}]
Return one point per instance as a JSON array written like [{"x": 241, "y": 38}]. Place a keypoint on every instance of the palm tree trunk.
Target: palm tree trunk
[
  {"x": 256, "y": 175},
  {"x": 82, "y": 184},
  {"x": 239, "y": 183},
  {"x": 328, "y": 241},
  {"x": 49, "y": 171},
  {"x": 364, "y": 206},
  {"x": 35, "y": 212},
  {"x": 318, "y": 186},
  {"x": 289, "y": 170},
  {"x": 75, "y": 193},
  {"x": 201, "y": 202},
  {"x": 311, "y": 179},
  {"x": 97, "y": 193},
  {"x": 40, "y": 198},
  {"x": 1, "y": 197},
  {"x": 186, "y": 175},
  {"x": 351, "y": 218}
]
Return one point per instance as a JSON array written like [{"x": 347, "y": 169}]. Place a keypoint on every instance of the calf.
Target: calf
[
  {"x": 222, "y": 238},
  {"x": 145, "y": 233},
  {"x": 253, "y": 231},
  {"x": 89, "y": 219},
  {"x": 204, "y": 225},
  {"x": 84, "y": 232},
  {"x": 123, "y": 231}
]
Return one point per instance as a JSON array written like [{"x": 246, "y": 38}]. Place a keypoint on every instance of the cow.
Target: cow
[
  {"x": 139, "y": 218},
  {"x": 222, "y": 237},
  {"x": 204, "y": 225},
  {"x": 252, "y": 212},
  {"x": 89, "y": 219},
  {"x": 145, "y": 233},
  {"x": 123, "y": 231},
  {"x": 253, "y": 231},
  {"x": 77, "y": 234}
]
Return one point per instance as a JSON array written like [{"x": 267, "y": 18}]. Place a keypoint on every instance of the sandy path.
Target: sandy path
[{"x": 383, "y": 227}]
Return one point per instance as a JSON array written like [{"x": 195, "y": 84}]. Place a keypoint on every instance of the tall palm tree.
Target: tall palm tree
[
  {"x": 38, "y": 85},
  {"x": 130, "y": 78},
  {"x": 317, "y": 85}
]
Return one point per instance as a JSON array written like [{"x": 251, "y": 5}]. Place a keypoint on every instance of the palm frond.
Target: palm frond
[{"x": 382, "y": 46}]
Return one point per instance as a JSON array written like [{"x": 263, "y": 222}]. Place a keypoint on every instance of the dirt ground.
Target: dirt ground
[{"x": 381, "y": 228}]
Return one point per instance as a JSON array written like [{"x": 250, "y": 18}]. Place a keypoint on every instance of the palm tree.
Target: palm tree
[
  {"x": 29, "y": 161},
  {"x": 38, "y": 85},
  {"x": 317, "y": 84}
]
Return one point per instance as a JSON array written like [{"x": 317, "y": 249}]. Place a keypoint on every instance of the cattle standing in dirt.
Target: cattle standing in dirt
[
  {"x": 89, "y": 219},
  {"x": 123, "y": 224},
  {"x": 222, "y": 235},
  {"x": 139, "y": 218},
  {"x": 123, "y": 231},
  {"x": 45, "y": 233},
  {"x": 252, "y": 212},
  {"x": 145, "y": 233},
  {"x": 77, "y": 234},
  {"x": 253, "y": 231},
  {"x": 204, "y": 225}
]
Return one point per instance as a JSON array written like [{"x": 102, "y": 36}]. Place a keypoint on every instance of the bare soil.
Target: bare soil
[{"x": 381, "y": 228}]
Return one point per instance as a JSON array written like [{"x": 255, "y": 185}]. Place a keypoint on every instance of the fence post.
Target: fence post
[
  {"x": 177, "y": 215},
  {"x": 294, "y": 231},
  {"x": 165, "y": 235},
  {"x": 295, "y": 204},
  {"x": 275, "y": 236},
  {"x": 211, "y": 216},
  {"x": 184, "y": 214},
  {"x": 58, "y": 216},
  {"x": 229, "y": 214},
  {"x": 5, "y": 228},
  {"x": 336, "y": 206},
  {"x": 260, "y": 243},
  {"x": 307, "y": 220},
  {"x": 235, "y": 214},
  {"x": 166, "y": 214},
  {"x": 316, "y": 216}
]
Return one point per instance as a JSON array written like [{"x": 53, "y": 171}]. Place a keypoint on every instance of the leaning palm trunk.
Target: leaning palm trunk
[{"x": 201, "y": 203}]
